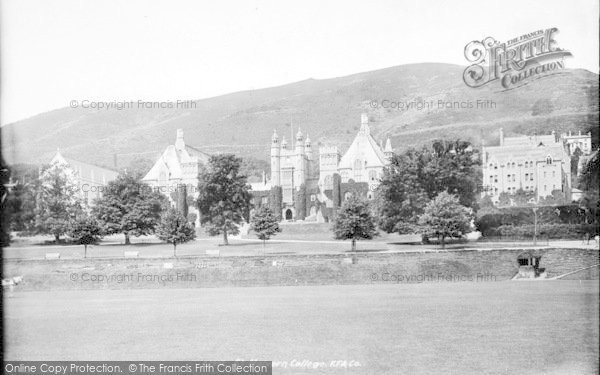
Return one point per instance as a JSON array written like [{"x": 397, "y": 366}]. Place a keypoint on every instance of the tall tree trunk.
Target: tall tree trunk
[
  {"x": 443, "y": 242},
  {"x": 127, "y": 242},
  {"x": 56, "y": 237},
  {"x": 174, "y": 249},
  {"x": 85, "y": 251},
  {"x": 353, "y": 244},
  {"x": 225, "y": 241}
]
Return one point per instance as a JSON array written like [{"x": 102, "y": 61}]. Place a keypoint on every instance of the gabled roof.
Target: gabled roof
[
  {"x": 86, "y": 171},
  {"x": 365, "y": 148},
  {"x": 174, "y": 157},
  {"x": 531, "y": 151}
]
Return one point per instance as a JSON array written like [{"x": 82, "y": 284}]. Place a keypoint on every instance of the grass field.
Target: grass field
[{"x": 451, "y": 328}]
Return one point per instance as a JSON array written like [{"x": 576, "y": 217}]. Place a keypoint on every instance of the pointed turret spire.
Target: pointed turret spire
[
  {"x": 388, "y": 145},
  {"x": 388, "y": 152}
]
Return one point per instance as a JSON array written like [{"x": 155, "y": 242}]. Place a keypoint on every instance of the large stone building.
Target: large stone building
[
  {"x": 176, "y": 171},
  {"x": 305, "y": 187},
  {"x": 88, "y": 179},
  {"x": 540, "y": 164}
]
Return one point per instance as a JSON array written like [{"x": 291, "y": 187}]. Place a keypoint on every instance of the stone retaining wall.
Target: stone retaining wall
[{"x": 198, "y": 272}]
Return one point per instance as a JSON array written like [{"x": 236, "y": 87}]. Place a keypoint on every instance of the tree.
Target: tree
[
  {"x": 417, "y": 176},
  {"x": 85, "y": 230},
  {"x": 445, "y": 217},
  {"x": 300, "y": 202},
  {"x": 57, "y": 201},
  {"x": 485, "y": 202},
  {"x": 224, "y": 195},
  {"x": 275, "y": 200},
  {"x": 5, "y": 218},
  {"x": 21, "y": 199},
  {"x": 522, "y": 197},
  {"x": 21, "y": 203},
  {"x": 354, "y": 222},
  {"x": 556, "y": 197},
  {"x": 128, "y": 206},
  {"x": 504, "y": 199},
  {"x": 452, "y": 166},
  {"x": 174, "y": 228},
  {"x": 265, "y": 224},
  {"x": 400, "y": 197},
  {"x": 589, "y": 182},
  {"x": 182, "y": 200}
]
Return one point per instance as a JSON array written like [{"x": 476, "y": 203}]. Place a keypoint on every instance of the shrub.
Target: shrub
[{"x": 551, "y": 231}]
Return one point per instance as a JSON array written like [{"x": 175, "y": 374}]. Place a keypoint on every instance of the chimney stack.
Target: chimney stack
[{"x": 179, "y": 143}]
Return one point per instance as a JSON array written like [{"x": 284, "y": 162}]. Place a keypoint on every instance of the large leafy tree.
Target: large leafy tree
[
  {"x": 354, "y": 222},
  {"x": 401, "y": 197},
  {"x": 416, "y": 176},
  {"x": 445, "y": 217},
  {"x": 452, "y": 166},
  {"x": 58, "y": 201},
  {"x": 21, "y": 198},
  {"x": 128, "y": 206},
  {"x": 85, "y": 230},
  {"x": 265, "y": 224},
  {"x": 589, "y": 182},
  {"x": 4, "y": 222},
  {"x": 174, "y": 228},
  {"x": 21, "y": 203},
  {"x": 224, "y": 195}
]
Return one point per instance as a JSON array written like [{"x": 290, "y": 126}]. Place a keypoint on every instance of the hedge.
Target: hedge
[{"x": 551, "y": 231}]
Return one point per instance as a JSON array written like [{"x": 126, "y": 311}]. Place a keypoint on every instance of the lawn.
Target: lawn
[{"x": 450, "y": 328}]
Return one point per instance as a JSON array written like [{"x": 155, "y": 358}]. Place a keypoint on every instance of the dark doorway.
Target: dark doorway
[{"x": 288, "y": 214}]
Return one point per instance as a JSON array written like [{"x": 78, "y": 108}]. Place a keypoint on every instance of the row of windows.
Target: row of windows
[
  {"x": 513, "y": 189},
  {"x": 512, "y": 177},
  {"x": 528, "y": 164}
]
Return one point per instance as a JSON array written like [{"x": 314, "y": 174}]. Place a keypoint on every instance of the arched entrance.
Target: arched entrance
[{"x": 288, "y": 214}]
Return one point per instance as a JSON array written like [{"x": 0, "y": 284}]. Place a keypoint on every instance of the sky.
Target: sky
[{"x": 56, "y": 51}]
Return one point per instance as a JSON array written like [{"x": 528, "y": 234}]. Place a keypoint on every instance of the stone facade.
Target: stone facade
[
  {"x": 313, "y": 187},
  {"x": 176, "y": 172},
  {"x": 540, "y": 164}
]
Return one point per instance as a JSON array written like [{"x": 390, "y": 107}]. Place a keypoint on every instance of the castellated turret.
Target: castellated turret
[
  {"x": 308, "y": 148},
  {"x": 300, "y": 162},
  {"x": 275, "y": 160}
]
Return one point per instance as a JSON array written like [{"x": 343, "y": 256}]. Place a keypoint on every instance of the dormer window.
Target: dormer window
[{"x": 548, "y": 160}]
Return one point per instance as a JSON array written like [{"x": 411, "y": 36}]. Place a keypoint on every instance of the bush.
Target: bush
[
  {"x": 551, "y": 231},
  {"x": 490, "y": 219}
]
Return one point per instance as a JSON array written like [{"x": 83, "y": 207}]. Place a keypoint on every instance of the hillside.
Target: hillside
[{"x": 328, "y": 110}]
